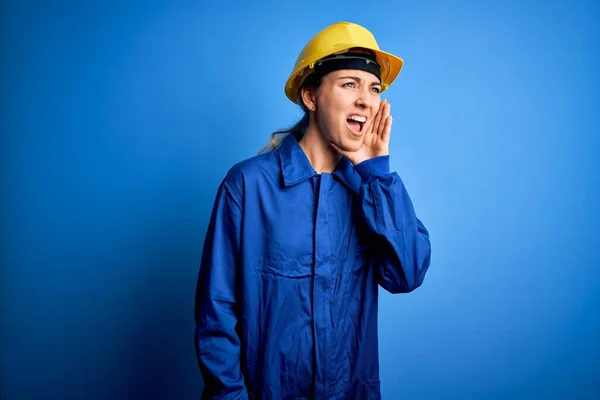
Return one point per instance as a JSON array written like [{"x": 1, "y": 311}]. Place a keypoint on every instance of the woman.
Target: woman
[{"x": 301, "y": 237}]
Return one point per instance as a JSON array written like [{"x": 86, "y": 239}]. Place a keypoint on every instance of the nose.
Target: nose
[
  {"x": 365, "y": 99},
  {"x": 360, "y": 101}
]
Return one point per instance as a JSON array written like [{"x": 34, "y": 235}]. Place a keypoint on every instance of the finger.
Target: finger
[
  {"x": 375, "y": 125},
  {"x": 384, "y": 117},
  {"x": 387, "y": 130},
  {"x": 385, "y": 112}
]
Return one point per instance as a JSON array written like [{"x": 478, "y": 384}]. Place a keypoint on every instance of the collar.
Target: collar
[
  {"x": 295, "y": 166},
  {"x": 347, "y": 173}
]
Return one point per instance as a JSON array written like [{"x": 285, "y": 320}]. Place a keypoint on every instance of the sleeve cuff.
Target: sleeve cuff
[{"x": 373, "y": 168}]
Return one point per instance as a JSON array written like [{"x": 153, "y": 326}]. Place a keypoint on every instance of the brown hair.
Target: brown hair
[{"x": 312, "y": 82}]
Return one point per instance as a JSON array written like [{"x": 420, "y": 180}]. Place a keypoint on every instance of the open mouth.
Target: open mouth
[{"x": 356, "y": 123}]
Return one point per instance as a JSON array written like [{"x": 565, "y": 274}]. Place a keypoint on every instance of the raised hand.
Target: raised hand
[{"x": 376, "y": 141}]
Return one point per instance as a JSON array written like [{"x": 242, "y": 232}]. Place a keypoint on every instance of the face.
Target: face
[{"x": 345, "y": 105}]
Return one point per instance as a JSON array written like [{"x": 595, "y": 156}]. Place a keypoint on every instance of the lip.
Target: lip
[{"x": 354, "y": 132}]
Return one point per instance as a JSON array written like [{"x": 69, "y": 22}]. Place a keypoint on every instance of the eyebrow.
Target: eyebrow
[{"x": 356, "y": 78}]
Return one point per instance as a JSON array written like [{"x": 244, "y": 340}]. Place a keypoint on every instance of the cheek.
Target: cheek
[
  {"x": 332, "y": 115},
  {"x": 331, "y": 119}
]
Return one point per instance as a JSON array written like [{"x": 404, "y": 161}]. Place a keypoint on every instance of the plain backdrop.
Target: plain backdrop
[{"x": 119, "y": 119}]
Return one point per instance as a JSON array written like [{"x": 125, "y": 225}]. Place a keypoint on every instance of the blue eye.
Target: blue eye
[{"x": 348, "y": 83}]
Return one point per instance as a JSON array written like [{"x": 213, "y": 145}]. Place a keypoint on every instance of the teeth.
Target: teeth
[{"x": 358, "y": 118}]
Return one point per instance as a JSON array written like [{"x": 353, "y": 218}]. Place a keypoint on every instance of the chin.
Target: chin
[{"x": 350, "y": 144}]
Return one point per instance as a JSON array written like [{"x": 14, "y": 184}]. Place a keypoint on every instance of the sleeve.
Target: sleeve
[
  {"x": 216, "y": 341},
  {"x": 400, "y": 240}
]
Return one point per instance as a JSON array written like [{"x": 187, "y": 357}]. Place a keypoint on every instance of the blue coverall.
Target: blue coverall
[{"x": 287, "y": 295}]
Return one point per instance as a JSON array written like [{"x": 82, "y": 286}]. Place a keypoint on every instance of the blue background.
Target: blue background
[{"x": 119, "y": 119}]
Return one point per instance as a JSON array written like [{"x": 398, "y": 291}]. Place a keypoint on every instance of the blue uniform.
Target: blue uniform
[{"x": 286, "y": 305}]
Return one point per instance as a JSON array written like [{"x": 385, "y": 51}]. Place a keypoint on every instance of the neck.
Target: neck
[{"x": 319, "y": 152}]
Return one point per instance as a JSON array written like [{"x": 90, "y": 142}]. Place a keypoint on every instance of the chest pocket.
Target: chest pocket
[{"x": 295, "y": 268}]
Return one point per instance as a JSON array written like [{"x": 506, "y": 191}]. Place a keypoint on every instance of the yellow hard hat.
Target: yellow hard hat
[{"x": 339, "y": 38}]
